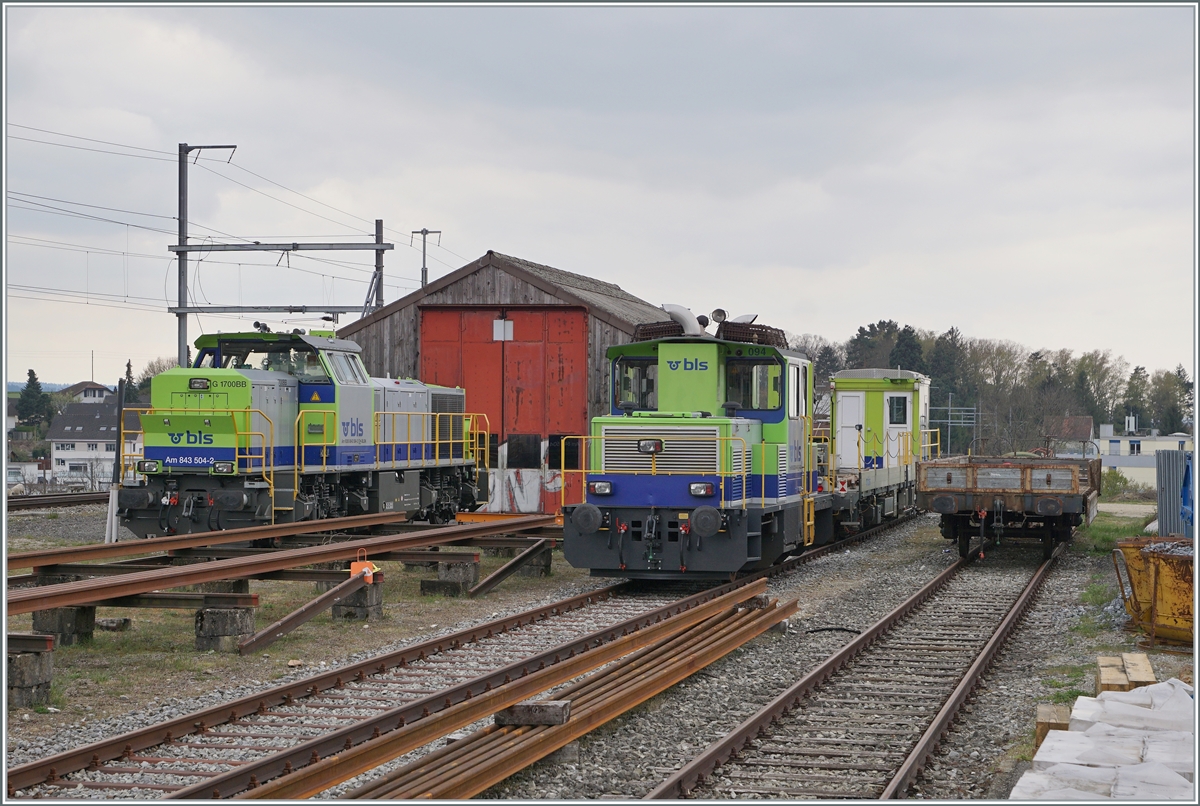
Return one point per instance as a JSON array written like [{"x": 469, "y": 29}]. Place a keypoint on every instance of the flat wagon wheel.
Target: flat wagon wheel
[
  {"x": 964, "y": 544},
  {"x": 1048, "y": 542}
]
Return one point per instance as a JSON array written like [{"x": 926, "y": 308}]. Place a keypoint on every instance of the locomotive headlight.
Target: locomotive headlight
[
  {"x": 197, "y": 383},
  {"x": 222, "y": 467},
  {"x": 600, "y": 487},
  {"x": 650, "y": 446},
  {"x": 702, "y": 488},
  {"x": 147, "y": 466}
]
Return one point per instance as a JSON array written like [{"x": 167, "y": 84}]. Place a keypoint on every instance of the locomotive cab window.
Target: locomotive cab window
[
  {"x": 754, "y": 383},
  {"x": 346, "y": 368},
  {"x": 636, "y": 382},
  {"x": 797, "y": 391},
  {"x": 273, "y": 357}
]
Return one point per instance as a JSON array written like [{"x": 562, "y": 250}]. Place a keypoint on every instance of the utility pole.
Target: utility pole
[
  {"x": 184, "y": 150},
  {"x": 425, "y": 233},
  {"x": 378, "y": 264}
]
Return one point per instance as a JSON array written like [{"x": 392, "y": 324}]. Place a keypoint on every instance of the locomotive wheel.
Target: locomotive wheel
[{"x": 964, "y": 545}]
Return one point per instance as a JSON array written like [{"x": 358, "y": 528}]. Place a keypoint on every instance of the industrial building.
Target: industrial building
[{"x": 527, "y": 342}]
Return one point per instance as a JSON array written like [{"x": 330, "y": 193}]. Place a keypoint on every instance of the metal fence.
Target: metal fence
[{"x": 1170, "y": 466}]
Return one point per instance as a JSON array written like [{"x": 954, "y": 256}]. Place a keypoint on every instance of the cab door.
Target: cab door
[
  {"x": 897, "y": 425},
  {"x": 849, "y": 426}
]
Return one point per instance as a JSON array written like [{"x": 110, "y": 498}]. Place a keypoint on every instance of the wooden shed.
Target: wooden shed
[{"x": 528, "y": 344}]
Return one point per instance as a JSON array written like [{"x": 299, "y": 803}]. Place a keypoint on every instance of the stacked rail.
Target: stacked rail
[{"x": 238, "y": 745}]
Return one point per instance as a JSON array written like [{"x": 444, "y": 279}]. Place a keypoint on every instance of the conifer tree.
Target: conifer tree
[{"x": 31, "y": 406}]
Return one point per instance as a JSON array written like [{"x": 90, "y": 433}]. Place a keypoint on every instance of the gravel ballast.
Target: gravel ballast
[{"x": 1053, "y": 652}]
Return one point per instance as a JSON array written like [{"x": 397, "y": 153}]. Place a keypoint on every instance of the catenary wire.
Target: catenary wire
[{"x": 224, "y": 162}]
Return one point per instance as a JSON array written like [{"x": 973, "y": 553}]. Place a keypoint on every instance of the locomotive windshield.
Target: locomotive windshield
[
  {"x": 636, "y": 382},
  {"x": 297, "y": 359},
  {"x": 754, "y": 383}
]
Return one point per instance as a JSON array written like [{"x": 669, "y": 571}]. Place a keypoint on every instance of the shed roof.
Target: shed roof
[
  {"x": 605, "y": 301},
  {"x": 1072, "y": 428}
]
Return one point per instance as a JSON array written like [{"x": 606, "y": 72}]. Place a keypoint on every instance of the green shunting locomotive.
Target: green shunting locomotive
[
  {"x": 709, "y": 465},
  {"x": 279, "y": 427}
]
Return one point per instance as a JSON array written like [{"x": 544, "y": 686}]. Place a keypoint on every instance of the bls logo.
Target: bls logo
[
  {"x": 192, "y": 438},
  {"x": 353, "y": 428},
  {"x": 688, "y": 364}
]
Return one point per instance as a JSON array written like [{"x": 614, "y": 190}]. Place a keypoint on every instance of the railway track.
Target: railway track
[
  {"x": 52, "y": 501},
  {"x": 237, "y": 746},
  {"x": 229, "y": 748},
  {"x": 864, "y": 723}
]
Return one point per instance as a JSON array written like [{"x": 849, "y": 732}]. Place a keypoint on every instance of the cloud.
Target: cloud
[{"x": 824, "y": 167}]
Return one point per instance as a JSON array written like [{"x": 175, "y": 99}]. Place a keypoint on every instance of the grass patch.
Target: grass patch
[
  {"x": 1068, "y": 697},
  {"x": 1088, "y": 627},
  {"x": 1104, "y": 532},
  {"x": 51, "y": 516},
  {"x": 1098, "y": 594},
  {"x": 1025, "y": 749}
]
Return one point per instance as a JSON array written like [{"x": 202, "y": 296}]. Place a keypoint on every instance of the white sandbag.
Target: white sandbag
[
  {"x": 1065, "y": 782},
  {"x": 1168, "y": 747},
  {"x": 1076, "y": 747},
  {"x": 1089, "y": 711},
  {"x": 1171, "y": 694},
  {"x": 1173, "y": 749},
  {"x": 1151, "y": 781}
]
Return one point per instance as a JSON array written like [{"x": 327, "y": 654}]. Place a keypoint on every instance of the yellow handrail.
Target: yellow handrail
[
  {"x": 327, "y": 416},
  {"x": 724, "y": 469},
  {"x": 473, "y": 439},
  {"x": 931, "y": 438},
  {"x": 243, "y": 442}
]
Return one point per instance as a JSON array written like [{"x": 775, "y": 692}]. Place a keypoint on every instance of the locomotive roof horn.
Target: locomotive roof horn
[{"x": 685, "y": 318}]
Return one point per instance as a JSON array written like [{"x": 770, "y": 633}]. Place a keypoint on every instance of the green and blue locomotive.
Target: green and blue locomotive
[
  {"x": 706, "y": 465},
  {"x": 711, "y": 463},
  {"x": 277, "y": 427}
]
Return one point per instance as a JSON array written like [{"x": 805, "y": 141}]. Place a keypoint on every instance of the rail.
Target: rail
[
  {"x": 488, "y": 756},
  {"x": 26, "y": 600},
  {"x": 60, "y": 500},
  {"x": 57, "y": 767},
  {"x": 727, "y": 749},
  {"x": 726, "y": 469}
]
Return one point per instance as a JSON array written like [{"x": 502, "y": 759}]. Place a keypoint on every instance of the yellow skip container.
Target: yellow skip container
[{"x": 1157, "y": 585}]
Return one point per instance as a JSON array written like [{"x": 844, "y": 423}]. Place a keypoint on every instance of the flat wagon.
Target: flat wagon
[{"x": 1043, "y": 497}]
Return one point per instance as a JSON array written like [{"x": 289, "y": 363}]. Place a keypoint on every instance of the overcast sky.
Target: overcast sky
[{"x": 1021, "y": 173}]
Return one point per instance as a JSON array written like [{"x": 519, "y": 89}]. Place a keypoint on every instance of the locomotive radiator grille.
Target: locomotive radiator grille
[{"x": 685, "y": 450}]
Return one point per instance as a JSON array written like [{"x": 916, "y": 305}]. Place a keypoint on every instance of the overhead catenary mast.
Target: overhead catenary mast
[{"x": 182, "y": 309}]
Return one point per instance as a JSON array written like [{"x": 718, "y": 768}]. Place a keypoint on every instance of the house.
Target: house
[
  {"x": 10, "y": 419},
  {"x": 83, "y": 445},
  {"x": 88, "y": 392},
  {"x": 1134, "y": 454},
  {"x": 1071, "y": 437},
  {"x": 527, "y": 342}
]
